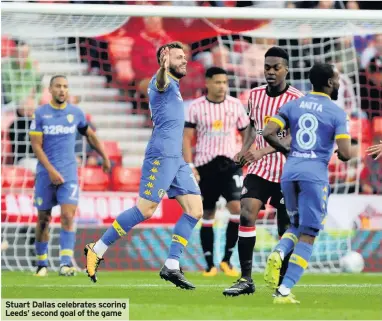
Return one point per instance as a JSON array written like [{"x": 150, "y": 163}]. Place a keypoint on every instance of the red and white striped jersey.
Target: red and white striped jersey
[
  {"x": 261, "y": 107},
  {"x": 216, "y": 127}
]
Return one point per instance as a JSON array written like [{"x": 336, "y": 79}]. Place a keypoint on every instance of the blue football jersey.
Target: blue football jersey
[
  {"x": 167, "y": 114},
  {"x": 315, "y": 122},
  {"x": 59, "y": 129}
]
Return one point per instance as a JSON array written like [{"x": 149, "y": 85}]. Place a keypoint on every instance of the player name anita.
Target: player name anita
[{"x": 28, "y": 305}]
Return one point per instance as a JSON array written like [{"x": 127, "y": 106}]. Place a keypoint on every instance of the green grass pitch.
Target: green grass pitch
[{"x": 323, "y": 297}]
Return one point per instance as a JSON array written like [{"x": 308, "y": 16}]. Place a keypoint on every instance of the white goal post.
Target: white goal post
[
  {"x": 325, "y": 23},
  {"x": 47, "y": 28}
]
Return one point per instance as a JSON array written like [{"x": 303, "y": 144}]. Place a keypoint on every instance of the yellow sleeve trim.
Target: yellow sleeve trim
[
  {"x": 35, "y": 133},
  {"x": 165, "y": 86},
  {"x": 342, "y": 136},
  {"x": 278, "y": 122}
]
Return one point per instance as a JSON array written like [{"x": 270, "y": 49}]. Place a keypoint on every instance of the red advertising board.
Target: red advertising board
[{"x": 93, "y": 208}]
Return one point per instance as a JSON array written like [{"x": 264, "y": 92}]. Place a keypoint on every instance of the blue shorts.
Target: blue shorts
[
  {"x": 306, "y": 204},
  {"x": 166, "y": 175},
  {"x": 47, "y": 195}
]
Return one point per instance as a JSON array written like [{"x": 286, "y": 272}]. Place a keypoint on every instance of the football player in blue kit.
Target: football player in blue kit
[
  {"x": 164, "y": 171},
  {"x": 316, "y": 124},
  {"x": 53, "y": 137}
]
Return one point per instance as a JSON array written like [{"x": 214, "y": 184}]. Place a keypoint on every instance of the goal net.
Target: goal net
[{"x": 108, "y": 55}]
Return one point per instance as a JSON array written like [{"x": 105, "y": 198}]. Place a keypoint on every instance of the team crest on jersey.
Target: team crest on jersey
[
  {"x": 161, "y": 193},
  {"x": 39, "y": 201},
  {"x": 70, "y": 118},
  {"x": 217, "y": 125}
]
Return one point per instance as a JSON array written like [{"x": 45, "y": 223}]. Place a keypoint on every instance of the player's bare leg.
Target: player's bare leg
[
  {"x": 207, "y": 241},
  {"x": 94, "y": 252},
  {"x": 41, "y": 243},
  {"x": 250, "y": 208},
  {"x": 231, "y": 238},
  {"x": 67, "y": 240},
  {"x": 192, "y": 212}
]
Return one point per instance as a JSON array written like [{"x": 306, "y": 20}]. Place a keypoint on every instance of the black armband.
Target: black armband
[
  {"x": 83, "y": 130},
  {"x": 187, "y": 124}
]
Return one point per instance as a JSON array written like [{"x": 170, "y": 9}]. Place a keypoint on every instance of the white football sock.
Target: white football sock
[
  {"x": 100, "y": 248},
  {"x": 172, "y": 264},
  {"x": 284, "y": 290}
]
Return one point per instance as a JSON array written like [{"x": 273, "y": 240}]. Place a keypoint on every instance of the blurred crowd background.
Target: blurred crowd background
[{"x": 109, "y": 75}]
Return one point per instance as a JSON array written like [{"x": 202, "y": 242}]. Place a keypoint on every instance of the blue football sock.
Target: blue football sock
[
  {"x": 41, "y": 253},
  {"x": 181, "y": 234},
  {"x": 297, "y": 264},
  {"x": 288, "y": 241},
  {"x": 122, "y": 225},
  {"x": 67, "y": 241}
]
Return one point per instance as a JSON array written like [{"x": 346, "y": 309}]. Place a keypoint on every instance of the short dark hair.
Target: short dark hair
[
  {"x": 212, "y": 71},
  {"x": 55, "y": 77},
  {"x": 375, "y": 65},
  {"x": 20, "y": 43},
  {"x": 171, "y": 45},
  {"x": 277, "y": 52},
  {"x": 319, "y": 75}
]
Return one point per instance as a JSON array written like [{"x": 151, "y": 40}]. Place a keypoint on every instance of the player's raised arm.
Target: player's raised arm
[
  {"x": 36, "y": 137},
  {"x": 162, "y": 80}
]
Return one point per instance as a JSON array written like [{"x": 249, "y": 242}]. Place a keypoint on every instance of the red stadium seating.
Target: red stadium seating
[
  {"x": 377, "y": 125},
  {"x": 7, "y": 46},
  {"x": 93, "y": 179},
  {"x": 112, "y": 149},
  {"x": 125, "y": 179},
  {"x": 362, "y": 126},
  {"x": 363, "y": 153},
  {"x": 16, "y": 177}
]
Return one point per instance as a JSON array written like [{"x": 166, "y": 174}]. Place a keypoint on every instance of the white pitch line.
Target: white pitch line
[{"x": 364, "y": 285}]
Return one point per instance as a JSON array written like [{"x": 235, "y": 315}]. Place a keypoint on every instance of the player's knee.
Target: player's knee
[
  {"x": 208, "y": 214},
  {"x": 248, "y": 213},
  {"x": 195, "y": 209},
  {"x": 192, "y": 205},
  {"x": 67, "y": 219},
  {"x": 146, "y": 207},
  {"x": 196, "y": 212},
  {"x": 44, "y": 219},
  {"x": 308, "y": 234},
  {"x": 234, "y": 207}
]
